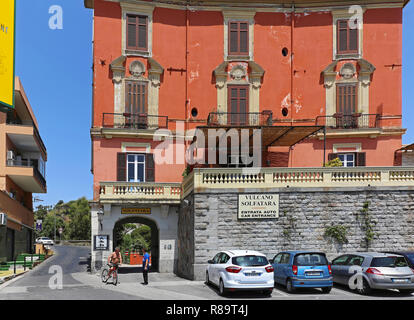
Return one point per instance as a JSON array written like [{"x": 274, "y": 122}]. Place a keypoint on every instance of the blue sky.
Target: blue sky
[{"x": 55, "y": 68}]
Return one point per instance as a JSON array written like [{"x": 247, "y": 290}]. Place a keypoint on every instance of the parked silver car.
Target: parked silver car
[
  {"x": 376, "y": 270},
  {"x": 45, "y": 241}
]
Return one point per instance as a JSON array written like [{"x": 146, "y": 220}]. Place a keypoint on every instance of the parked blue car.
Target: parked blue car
[{"x": 302, "y": 269}]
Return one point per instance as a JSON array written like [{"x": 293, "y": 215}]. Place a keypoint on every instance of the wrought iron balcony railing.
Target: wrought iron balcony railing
[
  {"x": 134, "y": 121},
  {"x": 354, "y": 121},
  {"x": 240, "y": 119}
]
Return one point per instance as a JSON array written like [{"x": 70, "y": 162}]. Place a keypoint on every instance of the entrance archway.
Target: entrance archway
[{"x": 155, "y": 238}]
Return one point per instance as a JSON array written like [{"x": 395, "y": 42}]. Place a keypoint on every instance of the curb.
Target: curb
[{"x": 10, "y": 279}]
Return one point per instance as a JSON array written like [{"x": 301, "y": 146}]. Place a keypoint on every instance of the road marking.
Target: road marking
[{"x": 14, "y": 290}]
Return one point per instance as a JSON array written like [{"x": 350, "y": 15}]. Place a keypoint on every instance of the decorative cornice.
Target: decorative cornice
[
  {"x": 365, "y": 71},
  {"x": 329, "y": 74},
  {"x": 221, "y": 74},
  {"x": 118, "y": 69},
  {"x": 260, "y": 5}
]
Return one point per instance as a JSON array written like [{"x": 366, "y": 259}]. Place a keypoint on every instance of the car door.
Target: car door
[
  {"x": 339, "y": 269},
  {"x": 222, "y": 265},
  {"x": 355, "y": 262},
  {"x": 276, "y": 266},
  {"x": 282, "y": 267},
  {"x": 285, "y": 266},
  {"x": 213, "y": 268}
]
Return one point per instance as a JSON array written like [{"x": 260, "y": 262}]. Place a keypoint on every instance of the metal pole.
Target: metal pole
[
  {"x": 14, "y": 266},
  {"x": 54, "y": 234},
  {"x": 324, "y": 145}
]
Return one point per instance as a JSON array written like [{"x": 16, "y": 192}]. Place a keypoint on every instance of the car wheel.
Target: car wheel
[
  {"x": 222, "y": 289},
  {"x": 207, "y": 279},
  {"x": 366, "y": 289},
  {"x": 406, "y": 291},
  {"x": 289, "y": 286},
  {"x": 326, "y": 289}
]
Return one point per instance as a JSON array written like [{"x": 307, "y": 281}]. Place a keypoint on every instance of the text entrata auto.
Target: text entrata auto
[
  {"x": 240, "y": 270},
  {"x": 365, "y": 271},
  {"x": 302, "y": 269}
]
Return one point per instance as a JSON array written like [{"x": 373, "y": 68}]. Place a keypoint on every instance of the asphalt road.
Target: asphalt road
[
  {"x": 35, "y": 284},
  {"x": 79, "y": 284}
]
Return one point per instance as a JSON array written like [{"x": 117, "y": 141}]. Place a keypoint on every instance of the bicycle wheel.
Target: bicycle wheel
[
  {"x": 104, "y": 275},
  {"x": 115, "y": 277}
]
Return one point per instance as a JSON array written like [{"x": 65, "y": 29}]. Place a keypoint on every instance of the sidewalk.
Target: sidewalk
[
  {"x": 162, "y": 286},
  {"x": 8, "y": 275}
]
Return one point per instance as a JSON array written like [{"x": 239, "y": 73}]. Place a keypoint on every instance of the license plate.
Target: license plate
[
  {"x": 400, "y": 280},
  {"x": 313, "y": 273},
  {"x": 252, "y": 274}
]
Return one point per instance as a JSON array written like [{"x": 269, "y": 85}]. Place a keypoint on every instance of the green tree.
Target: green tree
[
  {"x": 78, "y": 224},
  {"x": 143, "y": 232},
  {"x": 73, "y": 217}
]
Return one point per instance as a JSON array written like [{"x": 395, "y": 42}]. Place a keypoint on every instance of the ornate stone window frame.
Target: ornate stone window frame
[
  {"x": 236, "y": 76},
  {"x": 340, "y": 15},
  {"x": 137, "y": 70},
  {"x": 354, "y": 147},
  {"x": 363, "y": 81},
  {"x": 140, "y": 10},
  {"x": 125, "y": 145},
  {"x": 238, "y": 15}
]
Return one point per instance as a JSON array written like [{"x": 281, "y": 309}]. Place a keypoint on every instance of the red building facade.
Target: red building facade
[
  {"x": 303, "y": 63},
  {"x": 331, "y": 69}
]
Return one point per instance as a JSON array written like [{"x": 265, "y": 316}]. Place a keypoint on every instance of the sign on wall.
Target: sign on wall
[
  {"x": 167, "y": 249},
  {"x": 258, "y": 206},
  {"x": 7, "y": 36},
  {"x": 101, "y": 242},
  {"x": 136, "y": 211}
]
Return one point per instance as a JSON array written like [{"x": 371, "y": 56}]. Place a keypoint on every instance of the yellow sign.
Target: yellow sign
[
  {"x": 7, "y": 28},
  {"x": 136, "y": 211}
]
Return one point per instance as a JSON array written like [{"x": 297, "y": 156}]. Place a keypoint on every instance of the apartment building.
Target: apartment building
[
  {"x": 321, "y": 80},
  {"x": 23, "y": 157}
]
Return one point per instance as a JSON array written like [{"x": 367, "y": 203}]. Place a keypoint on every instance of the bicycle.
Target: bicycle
[{"x": 114, "y": 274}]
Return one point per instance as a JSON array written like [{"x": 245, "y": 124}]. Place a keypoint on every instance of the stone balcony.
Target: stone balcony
[
  {"x": 136, "y": 192},
  {"x": 201, "y": 179}
]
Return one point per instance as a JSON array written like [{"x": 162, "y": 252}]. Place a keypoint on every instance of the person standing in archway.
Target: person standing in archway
[{"x": 145, "y": 265}]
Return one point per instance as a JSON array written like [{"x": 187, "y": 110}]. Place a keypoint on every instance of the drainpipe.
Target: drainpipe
[
  {"x": 186, "y": 70},
  {"x": 292, "y": 18}
]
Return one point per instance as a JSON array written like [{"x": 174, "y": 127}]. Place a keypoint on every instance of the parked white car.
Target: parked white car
[
  {"x": 240, "y": 270},
  {"x": 45, "y": 240}
]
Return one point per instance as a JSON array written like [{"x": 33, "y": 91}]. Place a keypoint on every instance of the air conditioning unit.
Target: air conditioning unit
[
  {"x": 10, "y": 155},
  {"x": 3, "y": 219}
]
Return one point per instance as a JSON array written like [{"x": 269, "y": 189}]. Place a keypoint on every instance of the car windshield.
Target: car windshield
[
  {"x": 250, "y": 261},
  {"x": 389, "y": 262},
  {"x": 310, "y": 259}
]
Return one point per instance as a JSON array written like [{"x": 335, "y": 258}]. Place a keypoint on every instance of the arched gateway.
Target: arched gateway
[{"x": 158, "y": 212}]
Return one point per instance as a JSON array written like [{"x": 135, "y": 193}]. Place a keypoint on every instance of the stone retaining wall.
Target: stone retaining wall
[{"x": 304, "y": 216}]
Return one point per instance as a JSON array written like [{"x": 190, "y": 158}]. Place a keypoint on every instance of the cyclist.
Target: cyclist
[{"x": 114, "y": 260}]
